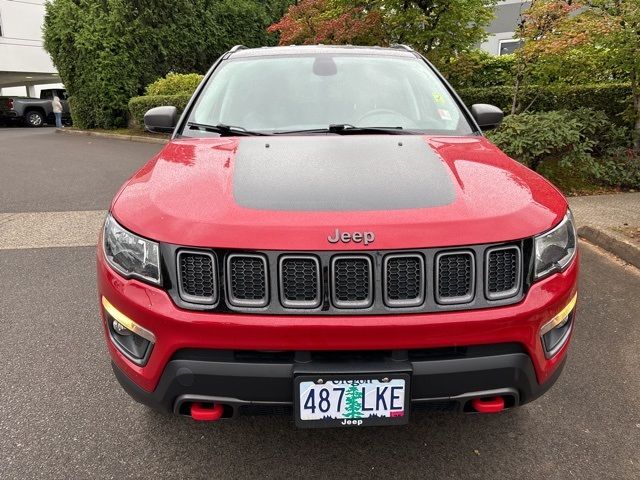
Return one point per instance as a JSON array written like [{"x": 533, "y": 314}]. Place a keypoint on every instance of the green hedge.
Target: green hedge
[
  {"x": 138, "y": 106},
  {"x": 107, "y": 51},
  {"x": 175, "y": 84},
  {"x": 613, "y": 99}
]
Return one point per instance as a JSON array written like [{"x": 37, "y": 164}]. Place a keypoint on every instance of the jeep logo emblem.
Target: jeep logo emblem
[{"x": 355, "y": 237}]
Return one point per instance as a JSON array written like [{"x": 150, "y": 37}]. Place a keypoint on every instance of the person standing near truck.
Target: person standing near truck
[{"x": 57, "y": 111}]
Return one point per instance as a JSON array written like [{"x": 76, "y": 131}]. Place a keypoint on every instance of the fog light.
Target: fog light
[
  {"x": 120, "y": 329},
  {"x": 556, "y": 331},
  {"x": 132, "y": 340}
]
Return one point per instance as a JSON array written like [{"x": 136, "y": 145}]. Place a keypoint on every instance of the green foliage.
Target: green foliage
[
  {"x": 610, "y": 98},
  {"x": 568, "y": 41},
  {"x": 478, "y": 69},
  {"x": 532, "y": 138},
  {"x": 107, "y": 50},
  {"x": 138, "y": 106},
  {"x": 582, "y": 143},
  {"x": 174, "y": 84},
  {"x": 622, "y": 170},
  {"x": 440, "y": 29}
]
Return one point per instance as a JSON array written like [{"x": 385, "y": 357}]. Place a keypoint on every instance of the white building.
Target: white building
[
  {"x": 504, "y": 26},
  {"x": 24, "y": 64}
]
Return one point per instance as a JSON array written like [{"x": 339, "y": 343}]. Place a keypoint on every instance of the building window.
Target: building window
[{"x": 509, "y": 46}]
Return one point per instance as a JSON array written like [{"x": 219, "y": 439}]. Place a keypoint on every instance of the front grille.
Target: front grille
[
  {"x": 454, "y": 277},
  {"x": 327, "y": 282},
  {"x": 404, "y": 280},
  {"x": 300, "y": 281},
  {"x": 352, "y": 281},
  {"x": 247, "y": 280},
  {"x": 197, "y": 277},
  {"x": 503, "y": 272}
]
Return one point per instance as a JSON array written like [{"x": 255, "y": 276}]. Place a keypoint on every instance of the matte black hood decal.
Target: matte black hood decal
[{"x": 340, "y": 174}]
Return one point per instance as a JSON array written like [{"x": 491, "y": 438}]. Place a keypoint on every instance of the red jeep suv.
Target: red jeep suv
[{"x": 329, "y": 235}]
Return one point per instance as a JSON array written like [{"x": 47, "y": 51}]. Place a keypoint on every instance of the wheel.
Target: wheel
[{"x": 34, "y": 119}]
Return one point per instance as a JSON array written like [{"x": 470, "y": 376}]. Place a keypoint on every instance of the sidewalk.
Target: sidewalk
[{"x": 611, "y": 222}]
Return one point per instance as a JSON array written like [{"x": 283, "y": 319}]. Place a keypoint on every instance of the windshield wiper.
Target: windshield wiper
[
  {"x": 224, "y": 130},
  {"x": 348, "y": 129}
]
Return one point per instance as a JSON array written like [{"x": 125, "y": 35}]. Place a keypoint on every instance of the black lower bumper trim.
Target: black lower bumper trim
[{"x": 254, "y": 388}]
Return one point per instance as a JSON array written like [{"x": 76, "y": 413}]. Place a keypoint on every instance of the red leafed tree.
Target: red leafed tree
[{"x": 315, "y": 21}]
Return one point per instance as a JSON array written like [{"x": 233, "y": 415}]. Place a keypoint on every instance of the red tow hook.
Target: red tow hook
[
  {"x": 488, "y": 405},
  {"x": 206, "y": 413}
]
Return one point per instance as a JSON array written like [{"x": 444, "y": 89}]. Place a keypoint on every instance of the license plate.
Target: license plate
[{"x": 352, "y": 401}]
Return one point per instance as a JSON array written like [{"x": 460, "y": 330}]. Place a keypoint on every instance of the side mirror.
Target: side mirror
[
  {"x": 487, "y": 116},
  {"x": 161, "y": 119}
]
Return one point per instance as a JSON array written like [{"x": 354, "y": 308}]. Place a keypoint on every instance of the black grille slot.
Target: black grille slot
[
  {"x": 352, "y": 280},
  {"x": 300, "y": 281},
  {"x": 454, "y": 277},
  {"x": 404, "y": 280},
  {"x": 503, "y": 272},
  {"x": 247, "y": 280},
  {"x": 197, "y": 280}
]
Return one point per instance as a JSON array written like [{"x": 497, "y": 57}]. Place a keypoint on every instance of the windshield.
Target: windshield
[{"x": 279, "y": 94}]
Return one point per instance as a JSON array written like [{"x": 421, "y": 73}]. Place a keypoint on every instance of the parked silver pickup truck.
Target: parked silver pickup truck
[{"x": 35, "y": 112}]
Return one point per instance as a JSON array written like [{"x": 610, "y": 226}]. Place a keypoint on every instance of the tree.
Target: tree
[
  {"x": 353, "y": 402},
  {"x": 107, "y": 51},
  {"x": 329, "y": 22},
  {"x": 604, "y": 35},
  {"x": 439, "y": 29}
]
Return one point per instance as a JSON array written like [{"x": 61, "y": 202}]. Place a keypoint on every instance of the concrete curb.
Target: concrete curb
[
  {"x": 132, "y": 138},
  {"x": 613, "y": 243}
]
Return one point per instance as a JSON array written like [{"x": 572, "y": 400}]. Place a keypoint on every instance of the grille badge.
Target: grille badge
[{"x": 355, "y": 237}]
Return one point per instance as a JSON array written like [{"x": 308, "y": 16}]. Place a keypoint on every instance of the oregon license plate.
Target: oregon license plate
[{"x": 352, "y": 401}]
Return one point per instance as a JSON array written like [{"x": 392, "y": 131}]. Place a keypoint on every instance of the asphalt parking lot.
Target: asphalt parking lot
[{"x": 63, "y": 415}]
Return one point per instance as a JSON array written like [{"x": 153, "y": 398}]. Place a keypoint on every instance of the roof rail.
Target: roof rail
[
  {"x": 401, "y": 46},
  {"x": 236, "y": 48}
]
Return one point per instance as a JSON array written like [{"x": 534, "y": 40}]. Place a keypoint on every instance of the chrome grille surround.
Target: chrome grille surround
[
  {"x": 393, "y": 298},
  {"x": 464, "y": 266},
  {"x": 492, "y": 274},
  {"x": 287, "y": 280},
  {"x": 351, "y": 268},
  {"x": 238, "y": 295},
  {"x": 186, "y": 287}
]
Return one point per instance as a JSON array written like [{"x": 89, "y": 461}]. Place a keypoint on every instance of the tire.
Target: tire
[{"x": 34, "y": 119}]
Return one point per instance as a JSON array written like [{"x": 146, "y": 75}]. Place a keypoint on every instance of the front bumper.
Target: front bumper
[
  {"x": 448, "y": 383},
  {"x": 184, "y": 359}
]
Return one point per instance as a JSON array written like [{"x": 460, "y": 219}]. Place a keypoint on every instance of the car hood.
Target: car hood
[{"x": 293, "y": 192}]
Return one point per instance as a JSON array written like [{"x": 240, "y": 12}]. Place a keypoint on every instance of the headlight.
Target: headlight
[
  {"x": 556, "y": 248},
  {"x": 129, "y": 254}
]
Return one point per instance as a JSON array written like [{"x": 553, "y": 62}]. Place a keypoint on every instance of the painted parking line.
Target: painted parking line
[{"x": 50, "y": 229}]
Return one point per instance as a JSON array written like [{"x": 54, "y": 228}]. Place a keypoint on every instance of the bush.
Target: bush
[
  {"x": 621, "y": 170},
  {"x": 478, "y": 69},
  {"x": 574, "y": 138},
  {"x": 613, "y": 99},
  {"x": 174, "y": 84},
  {"x": 568, "y": 145},
  {"x": 533, "y": 138},
  {"x": 138, "y": 106}
]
